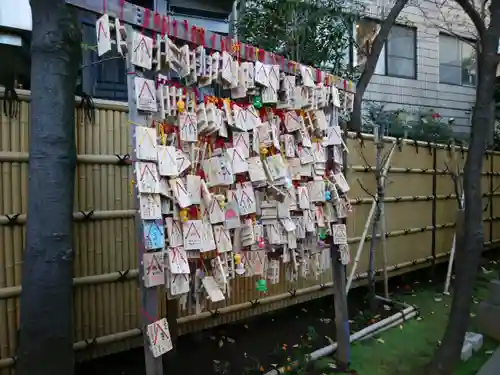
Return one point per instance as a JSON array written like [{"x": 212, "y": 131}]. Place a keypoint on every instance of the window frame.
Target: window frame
[
  {"x": 461, "y": 41},
  {"x": 386, "y": 57},
  {"x": 385, "y": 49}
]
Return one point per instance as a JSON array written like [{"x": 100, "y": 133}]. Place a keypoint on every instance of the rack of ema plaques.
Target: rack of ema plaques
[{"x": 228, "y": 187}]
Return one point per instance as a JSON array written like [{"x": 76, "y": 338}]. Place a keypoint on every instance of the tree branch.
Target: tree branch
[
  {"x": 474, "y": 15},
  {"x": 371, "y": 62}
]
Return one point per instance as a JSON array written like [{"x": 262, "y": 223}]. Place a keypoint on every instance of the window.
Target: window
[
  {"x": 457, "y": 61},
  {"x": 398, "y": 56}
]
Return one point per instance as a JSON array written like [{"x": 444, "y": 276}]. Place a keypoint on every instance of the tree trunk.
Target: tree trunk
[
  {"x": 46, "y": 334},
  {"x": 355, "y": 122},
  {"x": 468, "y": 250}
]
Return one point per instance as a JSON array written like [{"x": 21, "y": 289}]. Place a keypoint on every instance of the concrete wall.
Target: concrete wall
[{"x": 426, "y": 91}]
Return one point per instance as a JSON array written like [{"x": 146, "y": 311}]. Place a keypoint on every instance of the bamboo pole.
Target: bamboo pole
[
  {"x": 385, "y": 168},
  {"x": 11, "y": 219},
  {"x": 112, "y": 159},
  {"x": 459, "y": 227},
  {"x": 415, "y": 198},
  {"x": 113, "y": 105}
]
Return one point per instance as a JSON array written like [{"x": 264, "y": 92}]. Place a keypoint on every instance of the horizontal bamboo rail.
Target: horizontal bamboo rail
[
  {"x": 416, "y": 198},
  {"x": 112, "y": 277},
  {"x": 23, "y": 157},
  {"x": 113, "y": 105},
  {"x": 20, "y": 219},
  {"x": 367, "y": 168},
  {"x": 423, "y": 145}
]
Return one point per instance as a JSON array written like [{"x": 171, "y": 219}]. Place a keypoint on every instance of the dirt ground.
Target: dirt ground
[{"x": 253, "y": 345}]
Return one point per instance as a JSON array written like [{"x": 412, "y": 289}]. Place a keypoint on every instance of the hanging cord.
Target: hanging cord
[
  {"x": 11, "y": 101},
  {"x": 87, "y": 104}
]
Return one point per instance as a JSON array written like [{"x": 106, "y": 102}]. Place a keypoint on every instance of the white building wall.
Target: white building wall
[{"x": 451, "y": 101}]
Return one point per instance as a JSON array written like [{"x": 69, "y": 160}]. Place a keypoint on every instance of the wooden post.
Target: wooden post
[
  {"x": 342, "y": 330},
  {"x": 434, "y": 213},
  {"x": 148, "y": 297},
  {"x": 341, "y": 310}
]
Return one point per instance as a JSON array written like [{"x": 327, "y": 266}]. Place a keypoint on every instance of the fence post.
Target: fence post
[
  {"x": 148, "y": 297},
  {"x": 491, "y": 192},
  {"x": 434, "y": 211},
  {"x": 339, "y": 283}
]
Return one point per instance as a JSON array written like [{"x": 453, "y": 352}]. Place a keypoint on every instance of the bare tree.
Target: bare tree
[
  {"x": 46, "y": 335},
  {"x": 371, "y": 62},
  {"x": 468, "y": 250}
]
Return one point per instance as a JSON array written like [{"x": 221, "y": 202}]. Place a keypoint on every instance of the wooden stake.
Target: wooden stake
[{"x": 148, "y": 297}]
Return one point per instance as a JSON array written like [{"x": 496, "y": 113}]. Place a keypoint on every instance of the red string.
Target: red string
[
  {"x": 202, "y": 36},
  {"x": 157, "y": 24},
  {"x": 345, "y": 84},
  {"x": 147, "y": 16},
  {"x": 262, "y": 55},
  {"x": 164, "y": 26},
  {"x": 194, "y": 33},
  {"x": 104, "y": 6},
  {"x": 252, "y": 52},
  {"x": 318, "y": 75},
  {"x": 212, "y": 43},
  {"x": 186, "y": 29},
  {"x": 122, "y": 8},
  {"x": 175, "y": 28},
  {"x": 219, "y": 143}
]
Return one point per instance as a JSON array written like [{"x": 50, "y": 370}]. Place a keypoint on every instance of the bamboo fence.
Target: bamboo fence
[{"x": 420, "y": 211}]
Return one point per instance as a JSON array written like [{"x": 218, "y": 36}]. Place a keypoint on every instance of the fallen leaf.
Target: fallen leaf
[
  {"x": 381, "y": 340},
  {"x": 221, "y": 343},
  {"x": 246, "y": 326},
  {"x": 401, "y": 327},
  {"x": 304, "y": 310},
  {"x": 472, "y": 315},
  {"x": 230, "y": 340},
  {"x": 332, "y": 365},
  {"x": 419, "y": 318},
  {"x": 295, "y": 346}
]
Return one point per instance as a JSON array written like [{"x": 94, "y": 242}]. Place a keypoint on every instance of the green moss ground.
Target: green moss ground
[{"x": 404, "y": 350}]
